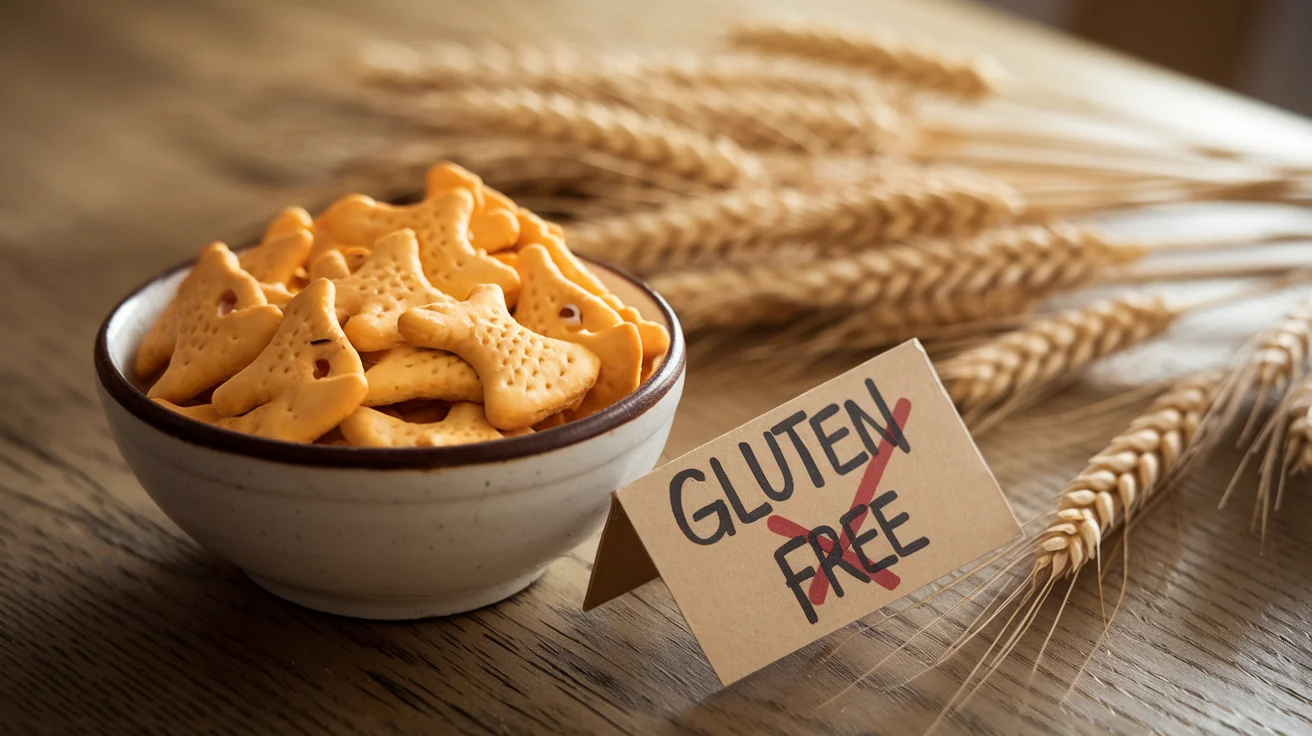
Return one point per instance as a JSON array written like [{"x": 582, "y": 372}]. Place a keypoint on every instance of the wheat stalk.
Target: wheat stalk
[
  {"x": 700, "y": 229},
  {"x": 600, "y": 75},
  {"x": 1014, "y": 366},
  {"x": 920, "y": 284},
  {"x": 1120, "y": 479},
  {"x": 610, "y": 129},
  {"x": 914, "y": 61}
]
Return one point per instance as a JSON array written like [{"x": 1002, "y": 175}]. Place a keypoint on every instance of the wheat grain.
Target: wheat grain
[
  {"x": 600, "y": 75},
  {"x": 914, "y": 61},
  {"x": 611, "y": 129},
  {"x": 1120, "y": 479},
  {"x": 701, "y": 229},
  {"x": 920, "y": 284},
  {"x": 1020, "y": 363}
]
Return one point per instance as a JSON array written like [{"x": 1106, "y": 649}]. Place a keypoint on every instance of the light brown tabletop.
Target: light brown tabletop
[{"x": 126, "y": 143}]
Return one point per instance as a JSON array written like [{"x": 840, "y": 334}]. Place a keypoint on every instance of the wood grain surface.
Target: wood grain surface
[{"x": 128, "y": 140}]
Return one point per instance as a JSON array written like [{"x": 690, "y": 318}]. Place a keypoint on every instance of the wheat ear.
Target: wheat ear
[
  {"x": 1287, "y": 439},
  {"x": 1298, "y": 439},
  {"x": 701, "y": 229},
  {"x": 1274, "y": 360},
  {"x": 611, "y": 129},
  {"x": 1119, "y": 480},
  {"x": 986, "y": 380},
  {"x": 598, "y": 76},
  {"x": 917, "y": 62},
  {"x": 894, "y": 289},
  {"x": 774, "y": 120}
]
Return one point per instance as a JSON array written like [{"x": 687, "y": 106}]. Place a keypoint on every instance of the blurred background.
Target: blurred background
[{"x": 1262, "y": 48}]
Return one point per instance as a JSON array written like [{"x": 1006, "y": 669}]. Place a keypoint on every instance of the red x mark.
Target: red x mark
[{"x": 865, "y": 493}]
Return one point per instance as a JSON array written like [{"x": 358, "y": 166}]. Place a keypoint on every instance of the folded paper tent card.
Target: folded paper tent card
[{"x": 809, "y": 517}]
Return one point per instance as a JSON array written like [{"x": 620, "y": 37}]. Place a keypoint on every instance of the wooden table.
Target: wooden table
[{"x": 122, "y": 151}]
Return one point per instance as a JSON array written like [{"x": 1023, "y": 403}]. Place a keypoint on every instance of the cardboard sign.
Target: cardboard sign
[{"x": 807, "y": 518}]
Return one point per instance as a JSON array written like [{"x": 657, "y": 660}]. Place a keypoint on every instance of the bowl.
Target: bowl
[{"x": 394, "y": 533}]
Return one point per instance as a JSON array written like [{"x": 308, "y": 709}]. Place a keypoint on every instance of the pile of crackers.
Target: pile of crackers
[{"x": 461, "y": 318}]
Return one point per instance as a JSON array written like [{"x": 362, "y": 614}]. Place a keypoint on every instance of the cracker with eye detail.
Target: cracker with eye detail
[
  {"x": 305, "y": 382},
  {"x": 464, "y": 424},
  {"x": 284, "y": 248},
  {"x": 273, "y": 262},
  {"x": 552, "y": 305},
  {"x": 391, "y": 281},
  {"x": 406, "y": 372},
  {"x": 441, "y": 223},
  {"x": 222, "y": 321},
  {"x": 526, "y": 376}
]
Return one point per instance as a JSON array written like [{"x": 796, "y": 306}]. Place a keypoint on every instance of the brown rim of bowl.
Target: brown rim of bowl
[{"x": 189, "y": 430}]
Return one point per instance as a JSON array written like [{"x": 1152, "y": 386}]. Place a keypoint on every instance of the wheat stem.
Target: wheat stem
[
  {"x": 850, "y": 216},
  {"x": 1119, "y": 480}
]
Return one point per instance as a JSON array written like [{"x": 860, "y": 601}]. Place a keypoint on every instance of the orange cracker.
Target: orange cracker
[
  {"x": 496, "y": 226},
  {"x": 285, "y": 246},
  {"x": 655, "y": 338},
  {"x": 441, "y": 222},
  {"x": 276, "y": 294},
  {"x": 406, "y": 372},
  {"x": 526, "y": 377},
  {"x": 305, "y": 382},
  {"x": 338, "y": 263},
  {"x": 207, "y": 414},
  {"x": 620, "y": 351},
  {"x": 390, "y": 282},
  {"x": 464, "y": 424},
  {"x": 201, "y": 412},
  {"x": 330, "y": 265},
  {"x": 533, "y": 230},
  {"x": 222, "y": 321},
  {"x": 552, "y": 305},
  {"x": 273, "y": 263},
  {"x": 157, "y": 344}
]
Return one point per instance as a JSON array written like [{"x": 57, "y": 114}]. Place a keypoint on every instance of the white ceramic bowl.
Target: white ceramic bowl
[{"x": 385, "y": 533}]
